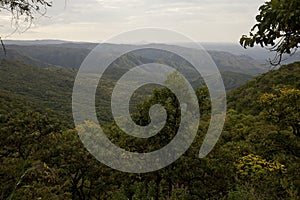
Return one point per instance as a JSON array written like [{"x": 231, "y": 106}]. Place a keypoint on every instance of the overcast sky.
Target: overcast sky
[{"x": 98, "y": 20}]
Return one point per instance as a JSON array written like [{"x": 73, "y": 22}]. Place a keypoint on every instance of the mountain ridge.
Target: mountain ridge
[{"x": 71, "y": 55}]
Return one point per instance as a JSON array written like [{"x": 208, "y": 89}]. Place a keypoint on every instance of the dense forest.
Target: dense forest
[
  {"x": 42, "y": 157},
  {"x": 257, "y": 157}
]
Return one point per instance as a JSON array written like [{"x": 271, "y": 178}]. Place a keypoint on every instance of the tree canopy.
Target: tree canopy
[{"x": 277, "y": 27}]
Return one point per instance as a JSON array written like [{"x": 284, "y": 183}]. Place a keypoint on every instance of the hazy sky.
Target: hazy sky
[{"x": 98, "y": 20}]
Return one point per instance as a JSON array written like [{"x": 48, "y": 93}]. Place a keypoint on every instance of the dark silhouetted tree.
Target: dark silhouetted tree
[{"x": 277, "y": 27}]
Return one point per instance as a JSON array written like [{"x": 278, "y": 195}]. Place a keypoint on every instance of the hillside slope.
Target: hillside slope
[
  {"x": 245, "y": 98},
  {"x": 253, "y": 158},
  {"x": 30, "y": 87},
  {"x": 40, "y": 89},
  {"x": 71, "y": 55}
]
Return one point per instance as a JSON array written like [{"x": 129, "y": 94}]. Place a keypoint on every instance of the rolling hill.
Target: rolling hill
[
  {"x": 50, "y": 88},
  {"x": 34, "y": 88},
  {"x": 245, "y": 98},
  {"x": 41, "y": 76},
  {"x": 71, "y": 55},
  {"x": 40, "y": 160}
]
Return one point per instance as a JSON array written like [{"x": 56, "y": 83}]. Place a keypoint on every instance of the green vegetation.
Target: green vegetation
[
  {"x": 45, "y": 90},
  {"x": 256, "y": 158},
  {"x": 41, "y": 156},
  {"x": 49, "y": 88},
  {"x": 282, "y": 107},
  {"x": 71, "y": 56},
  {"x": 246, "y": 99}
]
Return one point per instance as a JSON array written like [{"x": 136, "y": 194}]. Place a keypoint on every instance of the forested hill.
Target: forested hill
[
  {"x": 71, "y": 55},
  {"x": 245, "y": 99},
  {"x": 256, "y": 157},
  {"x": 50, "y": 87},
  {"x": 25, "y": 87}
]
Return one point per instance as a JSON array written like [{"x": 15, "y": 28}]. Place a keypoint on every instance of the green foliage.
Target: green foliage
[
  {"x": 71, "y": 55},
  {"x": 253, "y": 167},
  {"x": 277, "y": 26},
  {"x": 246, "y": 136},
  {"x": 240, "y": 64},
  {"x": 233, "y": 80},
  {"x": 283, "y": 108},
  {"x": 21, "y": 135},
  {"x": 45, "y": 90},
  {"x": 41, "y": 158},
  {"x": 242, "y": 192},
  {"x": 246, "y": 99}
]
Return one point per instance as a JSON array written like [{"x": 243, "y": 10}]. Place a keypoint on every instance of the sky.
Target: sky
[{"x": 98, "y": 20}]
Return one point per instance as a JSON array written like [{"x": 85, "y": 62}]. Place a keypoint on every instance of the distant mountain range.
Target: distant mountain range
[
  {"x": 71, "y": 55},
  {"x": 42, "y": 73},
  {"x": 261, "y": 55}
]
